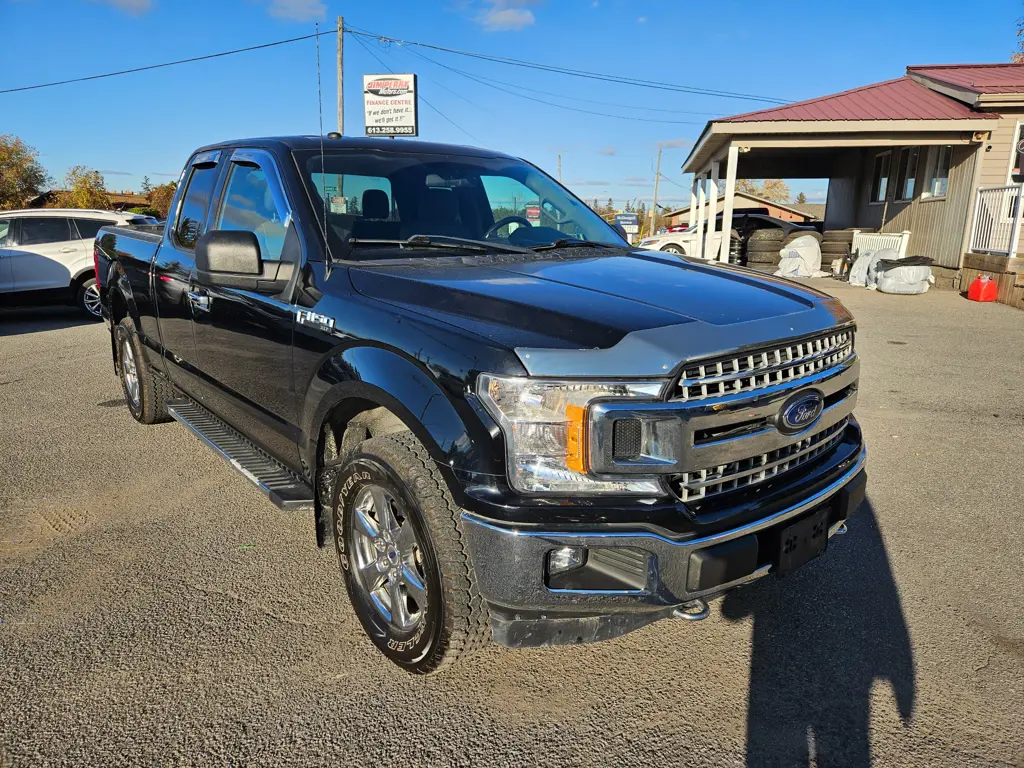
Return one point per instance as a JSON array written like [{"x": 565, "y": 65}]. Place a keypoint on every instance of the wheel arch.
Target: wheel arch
[{"x": 377, "y": 391}]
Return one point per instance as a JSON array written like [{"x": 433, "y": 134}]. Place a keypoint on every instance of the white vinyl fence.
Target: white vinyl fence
[
  {"x": 996, "y": 226},
  {"x": 876, "y": 241}
]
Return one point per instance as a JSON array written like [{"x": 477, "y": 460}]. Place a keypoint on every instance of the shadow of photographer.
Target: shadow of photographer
[{"x": 820, "y": 642}]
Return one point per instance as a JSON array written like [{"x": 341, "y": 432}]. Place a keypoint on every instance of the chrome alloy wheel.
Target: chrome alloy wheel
[
  {"x": 130, "y": 372},
  {"x": 388, "y": 559},
  {"x": 91, "y": 300}
]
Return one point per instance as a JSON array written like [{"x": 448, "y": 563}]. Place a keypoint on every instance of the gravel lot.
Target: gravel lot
[{"x": 156, "y": 610}]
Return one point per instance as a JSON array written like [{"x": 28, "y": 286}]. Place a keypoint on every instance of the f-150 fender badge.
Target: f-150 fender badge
[{"x": 321, "y": 322}]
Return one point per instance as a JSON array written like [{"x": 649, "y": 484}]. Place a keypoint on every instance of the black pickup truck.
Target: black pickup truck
[{"x": 509, "y": 423}]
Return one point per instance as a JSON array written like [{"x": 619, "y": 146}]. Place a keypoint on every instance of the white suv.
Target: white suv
[{"x": 46, "y": 254}]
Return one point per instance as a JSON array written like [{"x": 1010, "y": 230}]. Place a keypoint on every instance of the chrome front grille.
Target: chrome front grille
[
  {"x": 764, "y": 367},
  {"x": 702, "y": 483}
]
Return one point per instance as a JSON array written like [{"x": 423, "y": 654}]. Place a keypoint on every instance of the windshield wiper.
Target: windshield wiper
[
  {"x": 565, "y": 242},
  {"x": 444, "y": 241}
]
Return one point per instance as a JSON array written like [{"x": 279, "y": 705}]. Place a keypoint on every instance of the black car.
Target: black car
[{"x": 509, "y": 425}]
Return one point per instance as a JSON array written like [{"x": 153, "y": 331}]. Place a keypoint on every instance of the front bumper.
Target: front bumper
[{"x": 649, "y": 574}]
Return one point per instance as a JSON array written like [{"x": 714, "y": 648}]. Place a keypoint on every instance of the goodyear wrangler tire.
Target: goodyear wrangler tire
[
  {"x": 763, "y": 257},
  {"x": 402, "y": 554}
]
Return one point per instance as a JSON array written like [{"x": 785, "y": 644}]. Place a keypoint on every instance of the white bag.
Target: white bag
[
  {"x": 877, "y": 256},
  {"x": 859, "y": 270},
  {"x": 905, "y": 280},
  {"x": 801, "y": 258}
]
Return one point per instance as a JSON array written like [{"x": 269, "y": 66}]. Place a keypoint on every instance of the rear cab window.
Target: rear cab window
[{"x": 195, "y": 204}]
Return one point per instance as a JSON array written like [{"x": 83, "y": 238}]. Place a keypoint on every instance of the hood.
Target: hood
[{"x": 632, "y": 314}]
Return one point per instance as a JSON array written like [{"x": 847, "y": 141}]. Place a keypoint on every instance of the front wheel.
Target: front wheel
[
  {"x": 399, "y": 542},
  {"x": 674, "y": 249}
]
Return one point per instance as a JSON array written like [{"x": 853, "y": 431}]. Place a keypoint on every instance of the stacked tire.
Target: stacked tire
[
  {"x": 836, "y": 244},
  {"x": 801, "y": 233},
  {"x": 763, "y": 248}
]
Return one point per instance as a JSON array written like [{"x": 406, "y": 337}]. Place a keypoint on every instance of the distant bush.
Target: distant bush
[{"x": 145, "y": 210}]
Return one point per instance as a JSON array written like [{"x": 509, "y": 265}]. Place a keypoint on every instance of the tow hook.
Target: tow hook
[{"x": 692, "y": 611}]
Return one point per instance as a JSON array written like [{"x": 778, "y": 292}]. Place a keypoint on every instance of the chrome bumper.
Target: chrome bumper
[{"x": 510, "y": 561}]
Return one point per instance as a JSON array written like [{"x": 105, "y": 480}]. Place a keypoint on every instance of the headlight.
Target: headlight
[{"x": 544, "y": 423}]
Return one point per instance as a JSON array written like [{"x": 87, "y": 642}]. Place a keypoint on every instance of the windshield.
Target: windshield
[{"x": 373, "y": 195}]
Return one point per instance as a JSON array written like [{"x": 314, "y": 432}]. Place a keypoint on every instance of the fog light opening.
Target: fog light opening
[{"x": 566, "y": 559}]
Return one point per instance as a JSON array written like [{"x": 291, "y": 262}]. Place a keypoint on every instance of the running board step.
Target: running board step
[{"x": 284, "y": 488}]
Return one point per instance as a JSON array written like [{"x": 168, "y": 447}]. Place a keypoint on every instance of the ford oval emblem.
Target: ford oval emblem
[{"x": 800, "y": 411}]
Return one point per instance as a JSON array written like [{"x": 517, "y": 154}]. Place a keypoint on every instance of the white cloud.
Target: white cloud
[
  {"x": 115, "y": 173},
  {"x": 675, "y": 143},
  {"x": 505, "y": 15},
  {"x": 607, "y": 151},
  {"x": 133, "y": 7},
  {"x": 642, "y": 20},
  {"x": 595, "y": 4},
  {"x": 297, "y": 10}
]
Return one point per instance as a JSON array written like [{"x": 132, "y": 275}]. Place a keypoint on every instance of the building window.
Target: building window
[
  {"x": 906, "y": 173},
  {"x": 937, "y": 178},
  {"x": 1017, "y": 168},
  {"x": 880, "y": 177}
]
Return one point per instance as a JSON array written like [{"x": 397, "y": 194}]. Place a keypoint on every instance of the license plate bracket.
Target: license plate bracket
[{"x": 803, "y": 540}]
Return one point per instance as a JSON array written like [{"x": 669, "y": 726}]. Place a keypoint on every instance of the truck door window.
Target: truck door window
[
  {"x": 5, "y": 227},
  {"x": 250, "y": 205},
  {"x": 44, "y": 230},
  {"x": 194, "y": 206}
]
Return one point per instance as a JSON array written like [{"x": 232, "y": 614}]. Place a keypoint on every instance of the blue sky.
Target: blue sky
[{"x": 147, "y": 123}]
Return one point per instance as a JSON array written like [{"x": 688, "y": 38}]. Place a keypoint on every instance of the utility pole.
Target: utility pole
[
  {"x": 559, "y": 167},
  {"x": 341, "y": 75},
  {"x": 654, "y": 207}
]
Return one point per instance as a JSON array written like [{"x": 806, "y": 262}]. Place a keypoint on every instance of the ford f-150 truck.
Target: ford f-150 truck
[{"x": 508, "y": 427}]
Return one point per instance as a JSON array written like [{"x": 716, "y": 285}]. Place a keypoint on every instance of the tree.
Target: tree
[
  {"x": 146, "y": 186},
  {"x": 801, "y": 198},
  {"x": 770, "y": 189},
  {"x": 21, "y": 175},
  {"x": 160, "y": 197},
  {"x": 1018, "y": 55},
  {"x": 83, "y": 188},
  {"x": 611, "y": 206}
]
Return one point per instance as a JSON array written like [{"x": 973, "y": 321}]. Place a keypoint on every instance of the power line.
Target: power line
[
  {"x": 476, "y": 79},
  {"x": 565, "y": 96},
  {"x": 170, "y": 63},
  {"x": 573, "y": 72},
  {"x": 420, "y": 96}
]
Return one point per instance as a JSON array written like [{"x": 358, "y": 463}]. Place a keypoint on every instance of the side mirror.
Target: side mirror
[
  {"x": 228, "y": 253},
  {"x": 231, "y": 259},
  {"x": 621, "y": 230}
]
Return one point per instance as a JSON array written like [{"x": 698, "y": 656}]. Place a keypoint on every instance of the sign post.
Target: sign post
[
  {"x": 630, "y": 222},
  {"x": 391, "y": 106}
]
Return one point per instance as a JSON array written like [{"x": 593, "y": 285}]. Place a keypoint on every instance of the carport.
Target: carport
[{"x": 900, "y": 158}]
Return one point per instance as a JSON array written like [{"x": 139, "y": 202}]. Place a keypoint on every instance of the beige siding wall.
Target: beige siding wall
[
  {"x": 995, "y": 164},
  {"x": 936, "y": 226}
]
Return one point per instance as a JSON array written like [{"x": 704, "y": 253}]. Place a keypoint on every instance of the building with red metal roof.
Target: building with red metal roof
[{"x": 932, "y": 163}]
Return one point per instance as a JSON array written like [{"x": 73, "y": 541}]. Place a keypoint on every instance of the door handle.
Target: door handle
[
  {"x": 67, "y": 250},
  {"x": 199, "y": 301}
]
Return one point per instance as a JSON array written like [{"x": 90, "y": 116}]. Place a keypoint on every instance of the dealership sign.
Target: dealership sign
[{"x": 390, "y": 105}]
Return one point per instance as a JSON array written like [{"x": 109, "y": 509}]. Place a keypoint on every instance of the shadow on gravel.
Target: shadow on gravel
[
  {"x": 819, "y": 645},
  {"x": 15, "y": 322}
]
